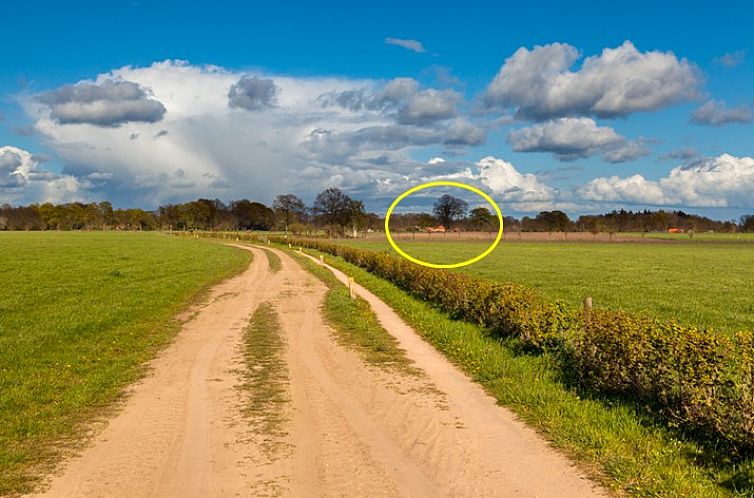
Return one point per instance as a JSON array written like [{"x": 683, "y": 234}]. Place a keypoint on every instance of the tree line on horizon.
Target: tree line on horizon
[{"x": 336, "y": 213}]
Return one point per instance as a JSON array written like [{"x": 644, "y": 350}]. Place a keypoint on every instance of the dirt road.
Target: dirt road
[{"x": 352, "y": 429}]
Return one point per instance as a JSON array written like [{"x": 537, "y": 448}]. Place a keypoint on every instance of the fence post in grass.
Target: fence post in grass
[
  {"x": 587, "y": 308},
  {"x": 321, "y": 260},
  {"x": 350, "y": 288},
  {"x": 289, "y": 245}
]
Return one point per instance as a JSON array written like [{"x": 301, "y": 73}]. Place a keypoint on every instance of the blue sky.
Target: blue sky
[{"x": 362, "y": 96}]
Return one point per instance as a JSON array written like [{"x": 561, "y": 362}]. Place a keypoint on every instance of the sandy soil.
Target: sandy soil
[{"x": 353, "y": 430}]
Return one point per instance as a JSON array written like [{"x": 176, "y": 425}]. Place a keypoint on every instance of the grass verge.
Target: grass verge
[
  {"x": 614, "y": 440},
  {"x": 80, "y": 314},
  {"x": 266, "y": 378},
  {"x": 356, "y": 325}
]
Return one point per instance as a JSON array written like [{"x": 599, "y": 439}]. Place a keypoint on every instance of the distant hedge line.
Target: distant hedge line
[{"x": 696, "y": 379}]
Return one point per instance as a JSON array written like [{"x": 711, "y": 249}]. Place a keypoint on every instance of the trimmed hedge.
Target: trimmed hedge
[{"x": 695, "y": 379}]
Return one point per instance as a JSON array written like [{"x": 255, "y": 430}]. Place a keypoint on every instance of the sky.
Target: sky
[{"x": 580, "y": 106}]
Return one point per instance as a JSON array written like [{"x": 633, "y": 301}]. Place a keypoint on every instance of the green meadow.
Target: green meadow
[
  {"x": 80, "y": 313},
  {"x": 707, "y": 284}
]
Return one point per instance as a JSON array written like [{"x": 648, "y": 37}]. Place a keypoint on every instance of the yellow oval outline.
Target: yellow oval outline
[{"x": 444, "y": 183}]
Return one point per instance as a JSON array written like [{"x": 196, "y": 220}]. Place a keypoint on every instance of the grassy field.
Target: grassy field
[
  {"x": 79, "y": 315},
  {"x": 705, "y": 284},
  {"x": 614, "y": 440}
]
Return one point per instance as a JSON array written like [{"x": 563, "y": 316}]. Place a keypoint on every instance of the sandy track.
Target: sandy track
[{"x": 353, "y": 430}]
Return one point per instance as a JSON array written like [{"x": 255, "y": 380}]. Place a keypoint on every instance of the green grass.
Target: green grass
[
  {"x": 273, "y": 260},
  {"x": 697, "y": 236},
  {"x": 266, "y": 378},
  {"x": 80, "y": 313},
  {"x": 707, "y": 285},
  {"x": 356, "y": 325},
  {"x": 616, "y": 441}
]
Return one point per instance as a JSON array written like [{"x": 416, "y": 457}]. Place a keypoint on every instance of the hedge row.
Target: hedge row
[{"x": 694, "y": 378}]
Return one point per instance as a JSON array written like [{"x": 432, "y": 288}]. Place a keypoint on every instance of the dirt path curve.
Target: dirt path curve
[
  {"x": 353, "y": 430},
  {"x": 465, "y": 445}
]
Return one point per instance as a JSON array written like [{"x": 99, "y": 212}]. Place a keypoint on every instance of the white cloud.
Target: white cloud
[
  {"x": 436, "y": 160},
  {"x": 408, "y": 44},
  {"x": 23, "y": 181},
  {"x": 109, "y": 102},
  {"x": 731, "y": 59},
  {"x": 539, "y": 83},
  {"x": 717, "y": 113},
  {"x": 229, "y": 134},
  {"x": 724, "y": 181},
  {"x": 513, "y": 186},
  {"x": 573, "y": 138},
  {"x": 401, "y": 98}
]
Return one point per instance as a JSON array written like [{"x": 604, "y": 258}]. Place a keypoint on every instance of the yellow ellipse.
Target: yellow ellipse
[{"x": 444, "y": 184}]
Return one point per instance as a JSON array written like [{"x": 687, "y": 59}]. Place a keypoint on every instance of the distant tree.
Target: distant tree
[
  {"x": 289, "y": 209},
  {"x": 251, "y": 215},
  {"x": 107, "y": 216},
  {"x": 511, "y": 224},
  {"x": 337, "y": 210},
  {"x": 333, "y": 206},
  {"x": 357, "y": 216},
  {"x": 747, "y": 223},
  {"x": 447, "y": 209},
  {"x": 481, "y": 219},
  {"x": 553, "y": 221},
  {"x": 170, "y": 216}
]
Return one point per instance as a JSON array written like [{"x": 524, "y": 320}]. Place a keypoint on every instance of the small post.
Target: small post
[
  {"x": 290, "y": 246},
  {"x": 300, "y": 249},
  {"x": 268, "y": 241},
  {"x": 350, "y": 288},
  {"x": 321, "y": 260},
  {"x": 236, "y": 239},
  {"x": 587, "y": 308}
]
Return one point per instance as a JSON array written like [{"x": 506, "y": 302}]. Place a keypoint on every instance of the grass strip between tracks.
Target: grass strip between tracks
[{"x": 356, "y": 325}]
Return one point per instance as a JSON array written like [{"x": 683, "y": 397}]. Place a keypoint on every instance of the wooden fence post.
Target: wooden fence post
[
  {"x": 350, "y": 288},
  {"x": 587, "y": 308},
  {"x": 321, "y": 260}
]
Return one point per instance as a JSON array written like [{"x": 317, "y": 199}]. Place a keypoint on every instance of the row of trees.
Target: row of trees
[
  {"x": 333, "y": 210},
  {"x": 338, "y": 214},
  {"x": 629, "y": 221}
]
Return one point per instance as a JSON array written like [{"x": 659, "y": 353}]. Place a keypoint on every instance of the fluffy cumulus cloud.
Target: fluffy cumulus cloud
[
  {"x": 23, "y": 180},
  {"x": 573, "y": 138},
  {"x": 235, "y": 134},
  {"x": 107, "y": 102},
  {"x": 724, "y": 181},
  {"x": 401, "y": 98},
  {"x": 512, "y": 189},
  {"x": 541, "y": 84},
  {"x": 717, "y": 113},
  {"x": 504, "y": 179}
]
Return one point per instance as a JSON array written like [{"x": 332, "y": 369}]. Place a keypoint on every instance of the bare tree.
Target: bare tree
[
  {"x": 288, "y": 209},
  {"x": 447, "y": 209}
]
